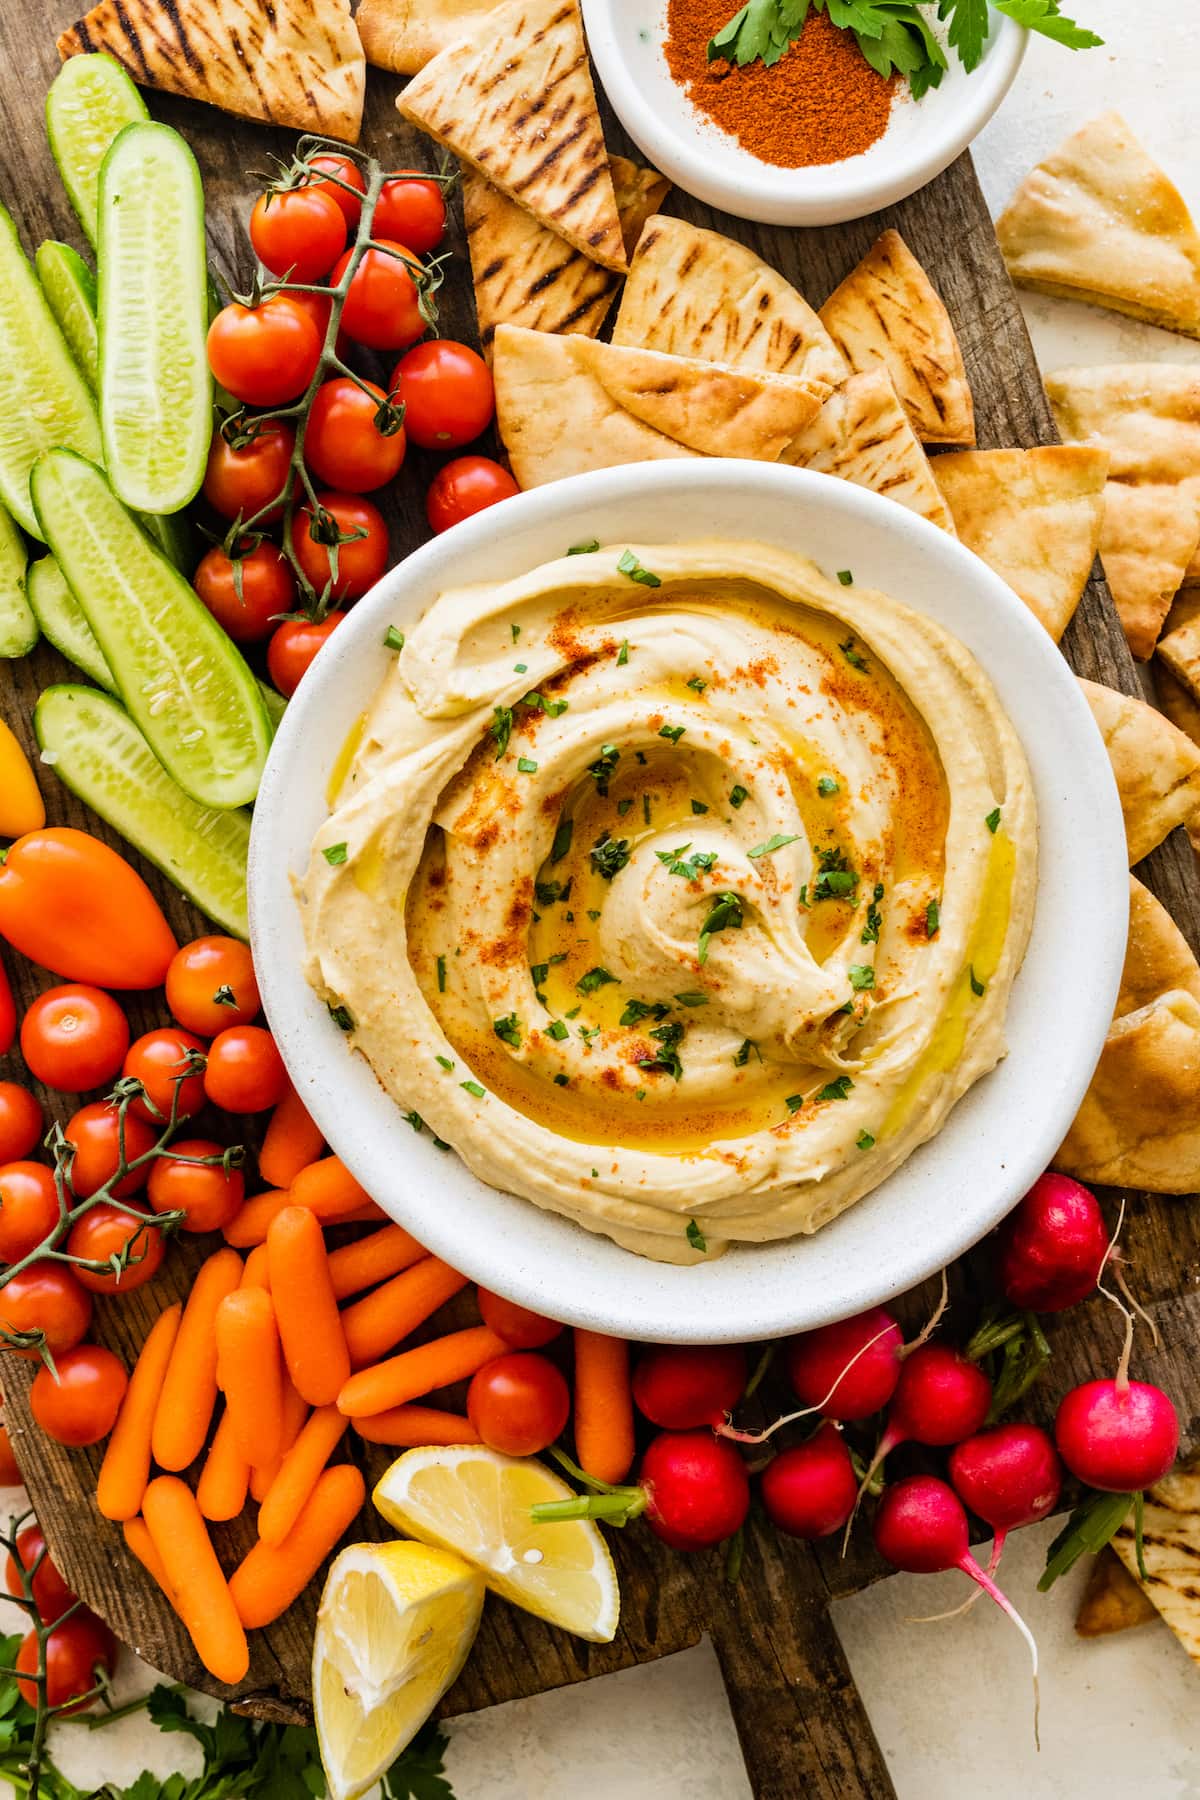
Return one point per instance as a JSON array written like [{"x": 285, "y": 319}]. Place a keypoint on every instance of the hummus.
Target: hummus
[{"x": 678, "y": 888}]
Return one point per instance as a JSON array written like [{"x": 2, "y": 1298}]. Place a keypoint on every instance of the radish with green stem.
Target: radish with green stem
[
  {"x": 1008, "y": 1476},
  {"x": 809, "y": 1491},
  {"x": 694, "y": 1492}
]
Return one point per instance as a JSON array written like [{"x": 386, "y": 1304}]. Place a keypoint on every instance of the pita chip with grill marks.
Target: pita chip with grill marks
[
  {"x": 1099, "y": 221},
  {"x": 297, "y": 63},
  {"x": 1155, "y": 766},
  {"x": 1171, "y": 1550},
  {"x": 887, "y": 311},
  {"x": 1114, "y": 1600},
  {"x": 403, "y": 35},
  {"x": 863, "y": 434},
  {"x": 516, "y": 101},
  {"x": 692, "y": 292}
]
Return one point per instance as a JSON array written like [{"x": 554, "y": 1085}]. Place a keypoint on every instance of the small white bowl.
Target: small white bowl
[
  {"x": 923, "y": 137},
  {"x": 999, "y": 1137}
]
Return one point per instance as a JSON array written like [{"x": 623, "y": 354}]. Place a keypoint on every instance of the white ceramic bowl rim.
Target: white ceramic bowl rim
[{"x": 1000, "y": 1136}]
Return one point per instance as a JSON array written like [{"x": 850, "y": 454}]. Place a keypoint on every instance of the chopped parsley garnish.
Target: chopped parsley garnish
[
  {"x": 342, "y": 1017},
  {"x": 601, "y": 771},
  {"x": 335, "y": 853},
  {"x": 776, "y": 842},
  {"x": 501, "y": 728},
  {"x": 393, "y": 638},
  {"x": 562, "y": 841},
  {"x": 584, "y": 549},
  {"x": 508, "y": 1030},
  {"x": 741, "y": 1055},
  {"x": 548, "y": 893},
  {"x": 520, "y": 668},
  {"x": 852, "y": 655},
  {"x": 593, "y": 913},
  {"x": 826, "y": 785},
  {"x": 593, "y": 979},
  {"x": 802, "y": 896},
  {"x": 845, "y": 577},
  {"x": 835, "y": 879},
  {"x": 738, "y": 796},
  {"x": 864, "y": 1141},
  {"x": 933, "y": 919},
  {"x": 669, "y": 1037},
  {"x": 637, "y": 1010},
  {"x": 553, "y": 709},
  {"x": 977, "y": 987},
  {"x": 623, "y": 653},
  {"x": 609, "y": 855},
  {"x": 629, "y": 565},
  {"x": 689, "y": 867},
  {"x": 441, "y": 974},
  {"x": 697, "y": 684},
  {"x": 696, "y": 1237},
  {"x": 870, "y": 934},
  {"x": 836, "y": 1090},
  {"x": 624, "y": 806},
  {"x": 415, "y": 1120},
  {"x": 556, "y": 1030},
  {"x": 794, "y": 1102},
  {"x": 672, "y": 733},
  {"x": 444, "y": 1062},
  {"x": 516, "y": 632},
  {"x": 692, "y": 999},
  {"x": 473, "y": 1088},
  {"x": 862, "y": 977},
  {"x": 698, "y": 807},
  {"x": 561, "y": 1080},
  {"x": 646, "y": 808},
  {"x": 725, "y": 914},
  {"x": 588, "y": 1032},
  {"x": 526, "y": 765},
  {"x": 595, "y": 1174},
  {"x": 993, "y": 820}
]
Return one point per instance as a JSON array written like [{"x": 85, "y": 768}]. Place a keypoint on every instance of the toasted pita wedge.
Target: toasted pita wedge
[
  {"x": 404, "y": 35},
  {"x": 1099, "y": 221},
  {"x": 1179, "y": 651},
  {"x": 290, "y": 62},
  {"x": 1157, "y": 770},
  {"x": 1171, "y": 1548},
  {"x": 565, "y": 404},
  {"x": 692, "y": 292},
  {"x": 888, "y": 311},
  {"x": 1139, "y": 1125},
  {"x": 862, "y": 433},
  {"x": 516, "y": 101},
  {"x": 1157, "y": 955},
  {"x": 1113, "y": 1600},
  {"x": 1034, "y": 516},
  {"x": 639, "y": 194},
  {"x": 1148, "y": 536}
]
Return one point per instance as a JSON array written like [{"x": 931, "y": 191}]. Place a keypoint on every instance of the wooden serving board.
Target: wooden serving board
[{"x": 802, "y": 1725}]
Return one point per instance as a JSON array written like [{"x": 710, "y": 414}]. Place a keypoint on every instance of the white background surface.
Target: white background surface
[{"x": 950, "y": 1702}]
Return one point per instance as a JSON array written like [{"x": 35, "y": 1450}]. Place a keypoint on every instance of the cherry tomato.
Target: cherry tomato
[
  {"x": 10, "y": 1468},
  {"x": 318, "y": 308},
  {"x": 464, "y": 487},
  {"x": 245, "y": 1071},
  {"x": 75, "y": 1651},
  {"x": 47, "y": 1298},
  {"x": 21, "y": 1121},
  {"x": 268, "y": 590},
  {"x": 94, "y": 1131},
  {"x": 74, "y": 1037},
  {"x": 240, "y": 483},
  {"x": 28, "y": 1208},
  {"x": 343, "y": 169},
  {"x": 51, "y": 1595},
  {"x": 411, "y": 210},
  {"x": 299, "y": 233},
  {"x": 70, "y": 903},
  {"x": 382, "y": 304},
  {"x": 344, "y": 445},
  {"x": 158, "y": 1060},
  {"x": 518, "y": 1404},
  {"x": 265, "y": 355},
  {"x": 447, "y": 393},
  {"x": 211, "y": 984},
  {"x": 293, "y": 647},
  {"x": 517, "y": 1325},
  {"x": 208, "y": 1193},
  {"x": 106, "y": 1232},
  {"x": 361, "y": 560}
]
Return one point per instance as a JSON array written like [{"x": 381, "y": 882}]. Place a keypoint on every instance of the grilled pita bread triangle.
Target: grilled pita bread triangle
[
  {"x": 565, "y": 404},
  {"x": 1149, "y": 535},
  {"x": 639, "y": 193},
  {"x": 1099, "y": 221},
  {"x": 516, "y": 101},
  {"x": 863, "y": 435},
  {"x": 1156, "y": 768},
  {"x": 692, "y": 292},
  {"x": 290, "y": 62},
  {"x": 404, "y": 35},
  {"x": 1171, "y": 1549},
  {"x": 1034, "y": 516},
  {"x": 1113, "y": 1599},
  {"x": 888, "y": 311}
]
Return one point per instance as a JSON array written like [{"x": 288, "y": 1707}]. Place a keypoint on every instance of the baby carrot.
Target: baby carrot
[
  {"x": 409, "y": 1425},
  {"x": 126, "y": 1466},
  {"x": 256, "y": 1270},
  {"x": 189, "y": 1390},
  {"x": 417, "y": 1372},
  {"x": 225, "y": 1477},
  {"x": 310, "y": 1328},
  {"x": 295, "y": 1413},
  {"x": 248, "y": 1225},
  {"x": 380, "y": 1320},
  {"x": 383, "y": 1254},
  {"x": 291, "y": 1141},
  {"x": 299, "y": 1473},
  {"x": 603, "y": 1406},
  {"x": 250, "y": 1371},
  {"x": 271, "y": 1575},
  {"x": 328, "y": 1189},
  {"x": 139, "y": 1543},
  {"x": 193, "y": 1574}
]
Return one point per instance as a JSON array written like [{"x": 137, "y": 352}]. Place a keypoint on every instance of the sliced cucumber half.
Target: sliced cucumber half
[
  {"x": 94, "y": 746},
  {"x": 155, "y": 386},
  {"x": 18, "y": 626},
  {"x": 185, "y": 684},
  {"x": 70, "y": 287},
  {"x": 90, "y": 100},
  {"x": 64, "y": 622}
]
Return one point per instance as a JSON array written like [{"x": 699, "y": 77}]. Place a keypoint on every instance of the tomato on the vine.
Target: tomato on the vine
[
  {"x": 107, "y": 1232},
  {"x": 464, "y": 487},
  {"x": 211, "y": 984},
  {"x": 518, "y": 1404},
  {"x": 382, "y": 306},
  {"x": 21, "y": 1121},
  {"x": 291, "y": 651},
  {"x": 74, "y": 1037},
  {"x": 160, "y": 1060},
  {"x": 207, "y": 1192},
  {"x": 51, "y": 1595},
  {"x": 447, "y": 393},
  {"x": 298, "y": 233},
  {"x": 245, "y": 1071},
  {"x": 412, "y": 211},
  {"x": 10, "y": 1468},
  {"x": 94, "y": 1132},
  {"x": 241, "y": 481},
  {"x": 28, "y": 1208},
  {"x": 265, "y": 355},
  {"x": 517, "y": 1325},
  {"x": 361, "y": 560},
  {"x": 344, "y": 445},
  {"x": 75, "y": 1651},
  {"x": 338, "y": 169},
  {"x": 45, "y": 1298},
  {"x": 268, "y": 590}
]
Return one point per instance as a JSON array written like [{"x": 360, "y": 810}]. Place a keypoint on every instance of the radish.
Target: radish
[
  {"x": 679, "y": 1386},
  {"x": 809, "y": 1491},
  {"x": 847, "y": 1370},
  {"x": 1008, "y": 1476},
  {"x": 694, "y": 1491},
  {"x": 940, "y": 1398},
  {"x": 1119, "y": 1436},
  {"x": 1053, "y": 1247}
]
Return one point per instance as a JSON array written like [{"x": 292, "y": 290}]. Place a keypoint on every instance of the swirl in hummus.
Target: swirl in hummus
[{"x": 679, "y": 888}]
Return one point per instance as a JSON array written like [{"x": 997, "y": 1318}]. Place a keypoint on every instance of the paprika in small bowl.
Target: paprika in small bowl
[{"x": 816, "y": 138}]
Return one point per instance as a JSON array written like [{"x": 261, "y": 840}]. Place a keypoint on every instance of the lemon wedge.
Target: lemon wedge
[
  {"x": 394, "y": 1627},
  {"x": 476, "y": 1502}
]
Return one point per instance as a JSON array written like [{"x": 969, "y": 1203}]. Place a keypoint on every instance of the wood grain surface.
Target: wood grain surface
[{"x": 802, "y": 1726}]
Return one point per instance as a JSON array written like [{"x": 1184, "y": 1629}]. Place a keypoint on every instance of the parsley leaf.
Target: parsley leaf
[
  {"x": 1043, "y": 16},
  {"x": 853, "y": 656},
  {"x": 637, "y": 1010},
  {"x": 501, "y": 728},
  {"x": 669, "y": 1038},
  {"x": 725, "y": 915},
  {"x": 864, "y": 1141},
  {"x": 601, "y": 771},
  {"x": 993, "y": 820},
  {"x": 629, "y": 565},
  {"x": 933, "y": 919},
  {"x": 609, "y": 855},
  {"x": 335, "y": 853},
  {"x": 826, "y": 785},
  {"x": 393, "y": 638},
  {"x": 862, "y": 977},
  {"x": 741, "y": 1055},
  {"x": 593, "y": 979},
  {"x": 562, "y": 841},
  {"x": 835, "y": 879},
  {"x": 508, "y": 1030},
  {"x": 977, "y": 987},
  {"x": 584, "y": 549},
  {"x": 696, "y": 1237},
  {"x": 672, "y": 733},
  {"x": 836, "y": 1090},
  {"x": 776, "y": 842},
  {"x": 870, "y": 933},
  {"x": 689, "y": 868},
  {"x": 738, "y": 796}
]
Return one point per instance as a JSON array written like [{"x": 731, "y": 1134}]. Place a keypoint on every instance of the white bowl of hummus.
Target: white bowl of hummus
[{"x": 691, "y": 900}]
